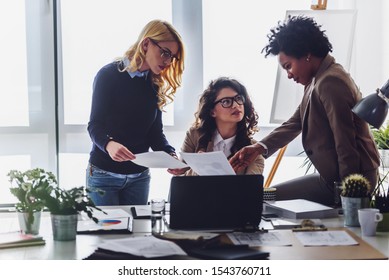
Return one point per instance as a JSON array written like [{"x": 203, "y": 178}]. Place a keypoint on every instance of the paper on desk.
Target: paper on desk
[
  {"x": 325, "y": 238},
  {"x": 190, "y": 235},
  {"x": 110, "y": 220},
  {"x": 259, "y": 239},
  {"x": 143, "y": 210},
  {"x": 145, "y": 246},
  {"x": 158, "y": 159},
  {"x": 210, "y": 163}
]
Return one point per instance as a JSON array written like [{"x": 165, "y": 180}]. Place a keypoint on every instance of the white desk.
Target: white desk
[{"x": 85, "y": 245}]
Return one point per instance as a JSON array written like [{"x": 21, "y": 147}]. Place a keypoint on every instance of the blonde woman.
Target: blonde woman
[{"x": 128, "y": 97}]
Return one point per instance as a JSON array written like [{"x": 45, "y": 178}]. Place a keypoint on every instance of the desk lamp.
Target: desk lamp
[{"x": 374, "y": 107}]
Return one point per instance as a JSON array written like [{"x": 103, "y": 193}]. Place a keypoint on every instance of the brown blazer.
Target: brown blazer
[
  {"x": 337, "y": 142},
  {"x": 190, "y": 145}
]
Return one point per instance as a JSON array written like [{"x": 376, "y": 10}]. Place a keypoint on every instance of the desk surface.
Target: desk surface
[{"x": 376, "y": 247}]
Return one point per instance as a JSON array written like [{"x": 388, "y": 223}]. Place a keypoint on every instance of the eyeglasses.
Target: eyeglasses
[
  {"x": 165, "y": 54},
  {"x": 227, "y": 102}
]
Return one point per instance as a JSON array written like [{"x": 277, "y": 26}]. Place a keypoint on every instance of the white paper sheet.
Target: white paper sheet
[
  {"x": 146, "y": 246},
  {"x": 112, "y": 219},
  {"x": 158, "y": 159},
  {"x": 258, "y": 239},
  {"x": 211, "y": 163},
  {"x": 325, "y": 238}
]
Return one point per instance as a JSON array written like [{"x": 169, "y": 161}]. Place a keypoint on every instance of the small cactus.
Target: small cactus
[{"x": 355, "y": 185}]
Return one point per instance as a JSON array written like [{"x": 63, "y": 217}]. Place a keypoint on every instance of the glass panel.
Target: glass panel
[
  {"x": 27, "y": 110},
  {"x": 72, "y": 171},
  {"x": 7, "y": 163},
  {"x": 13, "y": 57},
  {"x": 87, "y": 45},
  {"x": 233, "y": 40}
]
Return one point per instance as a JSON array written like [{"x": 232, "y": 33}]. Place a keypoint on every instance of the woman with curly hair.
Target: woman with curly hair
[
  {"x": 337, "y": 142},
  {"x": 225, "y": 121},
  {"x": 126, "y": 116}
]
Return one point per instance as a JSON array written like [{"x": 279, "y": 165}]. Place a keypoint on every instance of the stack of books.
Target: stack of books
[
  {"x": 19, "y": 239},
  {"x": 300, "y": 209}
]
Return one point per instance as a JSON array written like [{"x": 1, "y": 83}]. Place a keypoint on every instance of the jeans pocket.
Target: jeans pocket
[{"x": 98, "y": 178}]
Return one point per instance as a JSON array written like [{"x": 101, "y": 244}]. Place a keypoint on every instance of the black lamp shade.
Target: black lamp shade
[{"x": 373, "y": 109}]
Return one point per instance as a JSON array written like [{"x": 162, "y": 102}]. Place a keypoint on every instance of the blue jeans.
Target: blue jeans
[{"x": 120, "y": 189}]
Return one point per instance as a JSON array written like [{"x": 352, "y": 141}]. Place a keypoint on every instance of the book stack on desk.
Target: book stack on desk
[
  {"x": 19, "y": 239},
  {"x": 300, "y": 209}
]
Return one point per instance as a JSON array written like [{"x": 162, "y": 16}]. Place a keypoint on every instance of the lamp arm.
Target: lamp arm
[{"x": 382, "y": 95}]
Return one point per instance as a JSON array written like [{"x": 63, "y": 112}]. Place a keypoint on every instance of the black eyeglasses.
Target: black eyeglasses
[
  {"x": 227, "y": 102},
  {"x": 165, "y": 54}
]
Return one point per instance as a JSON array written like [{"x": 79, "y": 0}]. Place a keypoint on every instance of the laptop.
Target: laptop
[{"x": 216, "y": 203}]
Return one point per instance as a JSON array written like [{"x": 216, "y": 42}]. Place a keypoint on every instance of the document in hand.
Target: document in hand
[
  {"x": 210, "y": 163},
  {"x": 158, "y": 159}
]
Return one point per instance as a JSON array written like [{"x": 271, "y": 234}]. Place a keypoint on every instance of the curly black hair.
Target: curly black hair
[
  {"x": 206, "y": 124},
  {"x": 297, "y": 36}
]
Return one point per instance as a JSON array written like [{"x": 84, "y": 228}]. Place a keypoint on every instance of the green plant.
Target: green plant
[
  {"x": 355, "y": 185},
  {"x": 24, "y": 186},
  {"x": 66, "y": 202},
  {"x": 381, "y": 136},
  {"x": 380, "y": 196},
  {"x": 307, "y": 163}
]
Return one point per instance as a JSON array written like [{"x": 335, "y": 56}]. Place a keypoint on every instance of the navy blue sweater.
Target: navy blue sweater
[{"x": 124, "y": 109}]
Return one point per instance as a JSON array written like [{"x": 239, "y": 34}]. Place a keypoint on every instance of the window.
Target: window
[
  {"x": 84, "y": 47},
  {"x": 222, "y": 38},
  {"x": 27, "y": 110}
]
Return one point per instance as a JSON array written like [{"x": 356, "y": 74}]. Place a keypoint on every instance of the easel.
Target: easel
[{"x": 275, "y": 167}]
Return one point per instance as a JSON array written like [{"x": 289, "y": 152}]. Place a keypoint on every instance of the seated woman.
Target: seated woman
[{"x": 225, "y": 121}]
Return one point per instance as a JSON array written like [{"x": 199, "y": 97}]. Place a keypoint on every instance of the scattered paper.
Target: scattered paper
[
  {"x": 211, "y": 163},
  {"x": 254, "y": 239},
  {"x": 291, "y": 223},
  {"x": 145, "y": 246},
  {"x": 158, "y": 159},
  {"x": 325, "y": 238},
  {"x": 112, "y": 219},
  {"x": 142, "y": 210},
  {"x": 190, "y": 235},
  {"x": 111, "y": 213}
]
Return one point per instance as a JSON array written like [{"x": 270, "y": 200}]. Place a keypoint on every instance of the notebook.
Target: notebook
[
  {"x": 301, "y": 209},
  {"x": 222, "y": 203}
]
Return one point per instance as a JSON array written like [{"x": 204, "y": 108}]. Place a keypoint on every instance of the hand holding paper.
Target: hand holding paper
[
  {"x": 211, "y": 163},
  {"x": 158, "y": 159}
]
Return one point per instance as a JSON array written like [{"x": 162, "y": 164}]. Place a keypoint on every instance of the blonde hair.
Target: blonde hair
[{"x": 171, "y": 77}]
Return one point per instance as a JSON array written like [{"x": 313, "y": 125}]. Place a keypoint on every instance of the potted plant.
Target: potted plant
[
  {"x": 354, "y": 195},
  {"x": 380, "y": 200},
  {"x": 24, "y": 186},
  {"x": 381, "y": 138},
  {"x": 64, "y": 206}
]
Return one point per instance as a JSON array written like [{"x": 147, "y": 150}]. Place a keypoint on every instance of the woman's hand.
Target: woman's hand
[
  {"x": 178, "y": 171},
  {"x": 118, "y": 152},
  {"x": 245, "y": 156}
]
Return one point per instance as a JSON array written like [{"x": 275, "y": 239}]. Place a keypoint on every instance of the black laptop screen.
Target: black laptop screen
[{"x": 229, "y": 202}]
